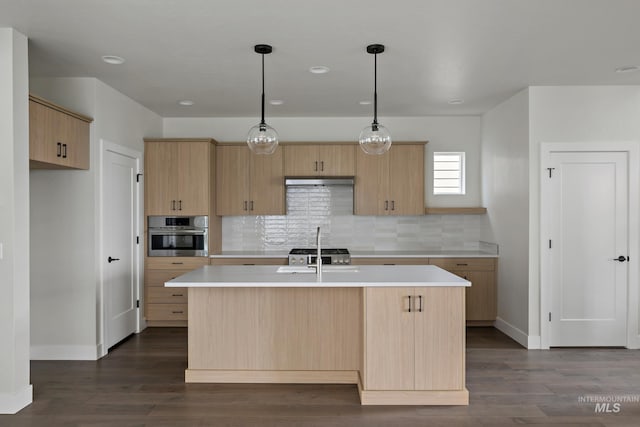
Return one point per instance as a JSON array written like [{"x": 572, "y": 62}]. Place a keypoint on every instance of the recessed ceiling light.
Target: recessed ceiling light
[
  {"x": 456, "y": 101},
  {"x": 112, "y": 59},
  {"x": 365, "y": 102},
  {"x": 319, "y": 69},
  {"x": 186, "y": 102},
  {"x": 628, "y": 69},
  {"x": 276, "y": 102}
]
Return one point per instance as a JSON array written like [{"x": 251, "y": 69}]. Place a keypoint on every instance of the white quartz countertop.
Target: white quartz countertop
[
  {"x": 358, "y": 277},
  {"x": 365, "y": 254}
]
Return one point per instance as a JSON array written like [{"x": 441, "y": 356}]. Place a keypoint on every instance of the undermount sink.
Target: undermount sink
[{"x": 311, "y": 270}]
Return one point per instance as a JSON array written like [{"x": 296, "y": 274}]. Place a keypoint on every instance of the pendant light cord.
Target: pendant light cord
[
  {"x": 262, "y": 122},
  {"x": 375, "y": 89}
]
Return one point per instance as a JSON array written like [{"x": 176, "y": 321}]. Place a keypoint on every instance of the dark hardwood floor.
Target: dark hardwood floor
[{"x": 141, "y": 383}]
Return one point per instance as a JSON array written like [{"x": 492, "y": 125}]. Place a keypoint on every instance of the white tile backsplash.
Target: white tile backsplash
[{"x": 331, "y": 208}]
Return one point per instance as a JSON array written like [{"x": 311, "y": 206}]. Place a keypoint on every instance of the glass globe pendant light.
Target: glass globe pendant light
[
  {"x": 375, "y": 138},
  {"x": 262, "y": 138}
]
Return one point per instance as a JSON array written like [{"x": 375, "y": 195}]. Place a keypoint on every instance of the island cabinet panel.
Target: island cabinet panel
[
  {"x": 391, "y": 183},
  {"x": 414, "y": 339},
  {"x": 58, "y": 138},
  {"x": 275, "y": 329},
  {"x": 481, "y": 297},
  {"x": 249, "y": 261},
  {"x": 247, "y": 183},
  {"x": 177, "y": 177},
  {"x": 319, "y": 160},
  {"x": 389, "y": 261}
]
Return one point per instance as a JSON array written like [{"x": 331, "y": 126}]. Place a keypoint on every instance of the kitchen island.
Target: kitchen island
[{"x": 398, "y": 332}]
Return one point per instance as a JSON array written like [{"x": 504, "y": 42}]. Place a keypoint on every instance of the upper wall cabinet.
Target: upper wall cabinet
[
  {"x": 248, "y": 183},
  {"x": 58, "y": 138},
  {"x": 178, "y": 176},
  {"x": 319, "y": 160},
  {"x": 391, "y": 183}
]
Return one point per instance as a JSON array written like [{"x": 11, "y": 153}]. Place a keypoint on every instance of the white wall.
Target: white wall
[
  {"x": 505, "y": 178},
  {"x": 447, "y": 133},
  {"x": 15, "y": 390},
  {"x": 572, "y": 114},
  {"x": 65, "y": 221}
]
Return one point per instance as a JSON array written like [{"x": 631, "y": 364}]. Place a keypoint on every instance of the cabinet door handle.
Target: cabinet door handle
[
  {"x": 420, "y": 303},
  {"x": 59, "y": 149},
  {"x": 322, "y": 165},
  {"x": 409, "y": 303},
  {"x": 173, "y": 205},
  {"x": 386, "y": 205},
  {"x": 393, "y": 205},
  {"x": 315, "y": 166},
  {"x": 245, "y": 205},
  {"x": 251, "y": 205},
  {"x": 179, "y": 205},
  {"x": 64, "y": 151}
]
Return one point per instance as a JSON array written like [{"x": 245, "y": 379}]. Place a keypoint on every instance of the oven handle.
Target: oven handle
[{"x": 173, "y": 233}]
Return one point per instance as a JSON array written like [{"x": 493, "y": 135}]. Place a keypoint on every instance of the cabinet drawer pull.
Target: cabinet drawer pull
[
  {"x": 251, "y": 205},
  {"x": 386, "y": 205},
  {"x": 462, "y": 264},
  {"x": 420, "y": 303},
  {"x": 322, "y": 166},
  {"x": 245, "y": 205},
  {"x": 177, "y": 312},
  {"x": 409, "y": 303},
  {"x": 177, "y": 295},
  {"x": 393, "y": 205},
  {"x": 179, "y": 205},
  {"x": 177, "y": 263},
  {"x": 64, "y": 151},
  {"x": 59, "y": 149},
  {"x": 315, "y": 166}
]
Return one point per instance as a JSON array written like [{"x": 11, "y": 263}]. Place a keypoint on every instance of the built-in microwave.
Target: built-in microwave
[{"x": 178, "y": 236}]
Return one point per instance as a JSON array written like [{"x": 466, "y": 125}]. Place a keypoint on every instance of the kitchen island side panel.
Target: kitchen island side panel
[{"x": 273, "y": 329}]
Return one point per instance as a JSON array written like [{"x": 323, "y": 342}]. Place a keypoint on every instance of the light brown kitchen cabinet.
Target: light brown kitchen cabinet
[
  {"x": 177, "y": 176},
  {"x": 481, "y": 297},
  {"x": 167, "y": 306},
  {"x": 389, "y": 261},
  {"x": 391, "y": 183},
  {"x": 249, "y": 261},
  {"x": 319, "y": 160},
  {"x": 58, "y": 138},
  {"x": 414, "y": 339},
  {"x": 248, "y": 183}
]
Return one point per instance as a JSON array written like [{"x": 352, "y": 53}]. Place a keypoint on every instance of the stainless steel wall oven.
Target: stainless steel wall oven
[{"x": 178, "y": 236}]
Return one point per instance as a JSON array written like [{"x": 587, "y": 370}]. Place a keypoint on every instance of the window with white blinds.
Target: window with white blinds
[{"x": 448, "y": 173}]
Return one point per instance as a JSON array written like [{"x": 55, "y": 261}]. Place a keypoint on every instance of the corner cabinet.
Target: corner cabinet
[
  {"x": 319, "y": 160},
  {"x": 177, "y": 176},
  {"x": 481, "y": 297},
  {"x": 414, "y": 346},
  {"x": 58, "y": 138},
  {"x": 248, "y": 183},
  {"x": 391, "y": 183}
]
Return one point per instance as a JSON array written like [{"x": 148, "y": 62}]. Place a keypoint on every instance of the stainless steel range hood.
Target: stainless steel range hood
[{"x": 325, "y": 180}]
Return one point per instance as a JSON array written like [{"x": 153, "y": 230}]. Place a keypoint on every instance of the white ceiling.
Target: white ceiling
[{"x": 482, "y": 51}]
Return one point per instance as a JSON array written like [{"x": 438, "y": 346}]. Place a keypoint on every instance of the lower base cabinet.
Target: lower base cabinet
[
  {"x": 414, "y": 342},
  {"x": 167, "y": 306}
]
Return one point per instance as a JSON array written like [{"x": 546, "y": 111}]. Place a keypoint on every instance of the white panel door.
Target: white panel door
[
  {"x": 120, "y": 284},
  {"x": 589, "y": 227}
]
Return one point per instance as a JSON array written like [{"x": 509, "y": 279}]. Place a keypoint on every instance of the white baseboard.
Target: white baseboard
[
  {"x": 11, "y": 403},
  {"x": 64, "y": 352},
  {"x": 530, "y": 342}
]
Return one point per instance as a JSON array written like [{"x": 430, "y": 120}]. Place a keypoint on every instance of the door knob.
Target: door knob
[
  {"x": 112, "y": 259},
  {"x": 621, "y": 258}
]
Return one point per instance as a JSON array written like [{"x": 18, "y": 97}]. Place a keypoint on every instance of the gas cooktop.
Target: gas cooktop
[{"x": 306, "y": 256}]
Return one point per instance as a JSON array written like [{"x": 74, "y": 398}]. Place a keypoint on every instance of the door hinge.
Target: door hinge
[
  {"x": 550, "y": 169},
  {"x": 137, "y": 303},
  {"x": 138, "y": 175},
  {"x": 549, "y": 243},
  {"x": 137, "y": 240},
  {"x": 549, "y": 316}
]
